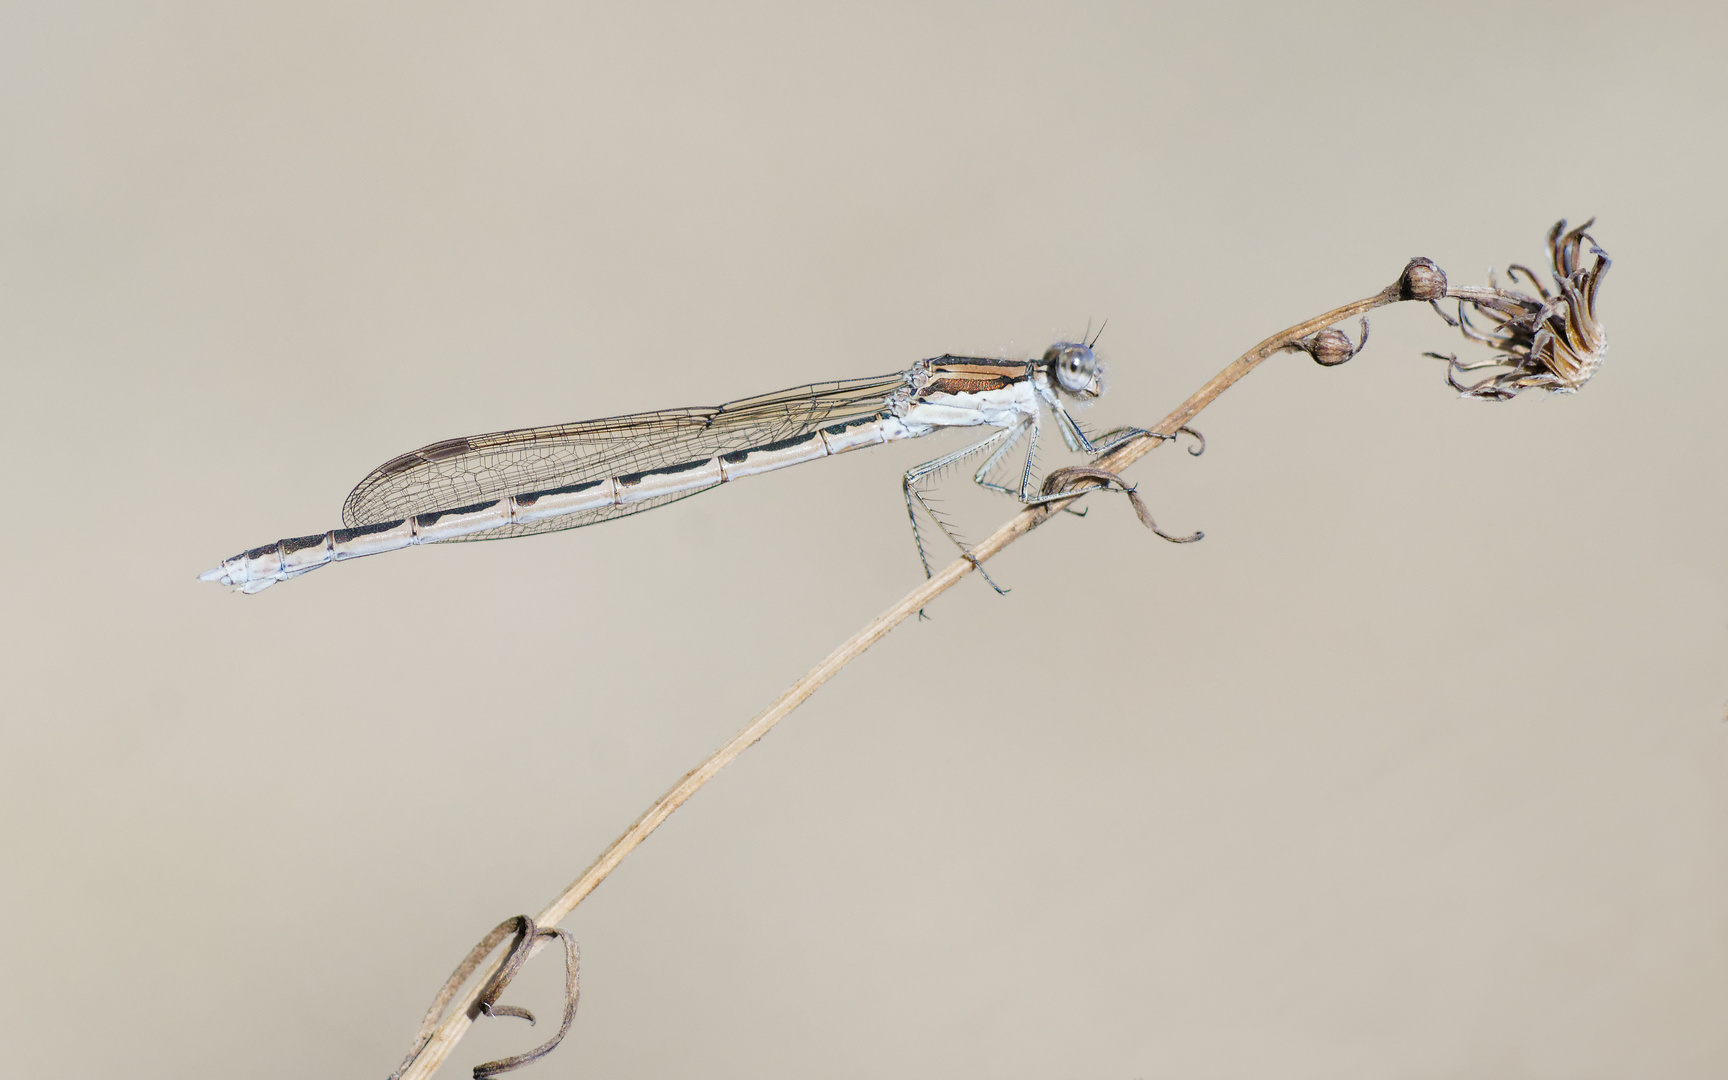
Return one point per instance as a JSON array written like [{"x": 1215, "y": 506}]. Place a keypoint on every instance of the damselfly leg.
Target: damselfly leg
[{"x": 915, "y": 495}]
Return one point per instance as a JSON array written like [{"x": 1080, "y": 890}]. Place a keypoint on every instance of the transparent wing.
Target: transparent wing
[{"x": 479, "y": 468}]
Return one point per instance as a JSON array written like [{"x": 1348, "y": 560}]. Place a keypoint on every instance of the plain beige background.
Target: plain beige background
[{"x": 1413, "y": 768}]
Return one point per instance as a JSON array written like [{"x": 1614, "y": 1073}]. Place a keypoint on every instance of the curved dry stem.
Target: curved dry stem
[{"x": 450, "y": 1030}]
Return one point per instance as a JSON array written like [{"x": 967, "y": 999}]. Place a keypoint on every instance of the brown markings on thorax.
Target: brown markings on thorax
[{"x": 971, "y": 375}]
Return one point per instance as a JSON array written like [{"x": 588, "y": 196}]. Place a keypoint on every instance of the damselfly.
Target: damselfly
[{"x": 535, "y": 480}]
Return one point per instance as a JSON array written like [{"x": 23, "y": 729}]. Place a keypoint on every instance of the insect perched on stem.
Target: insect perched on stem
[{"x": 534, "y": 480}]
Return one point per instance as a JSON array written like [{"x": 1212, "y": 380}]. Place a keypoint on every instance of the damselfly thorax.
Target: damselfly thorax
[{"x": 534, "y": 480}]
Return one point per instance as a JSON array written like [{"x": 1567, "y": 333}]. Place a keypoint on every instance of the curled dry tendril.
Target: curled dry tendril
[{"x": 527, "y": 933}]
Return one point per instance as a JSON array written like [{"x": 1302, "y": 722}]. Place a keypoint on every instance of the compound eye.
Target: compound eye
[{"x": 1075, "y": 366}]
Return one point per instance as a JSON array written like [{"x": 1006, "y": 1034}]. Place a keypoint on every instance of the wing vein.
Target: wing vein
[{"x": 479, "y": 468}]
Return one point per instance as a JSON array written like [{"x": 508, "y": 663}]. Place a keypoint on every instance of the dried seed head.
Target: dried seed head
[
  {"x": 1548, "y": 341},
  {"x": 1422, "y": 280},
  {"x": 1331, "y": 347}
]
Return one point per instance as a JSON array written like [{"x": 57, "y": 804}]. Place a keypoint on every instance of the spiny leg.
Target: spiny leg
[
  {"x": 1024, "y": 495},
  {"x": 915, "y": 498},
  {"x": 1078, "y": 442},
  {"x": 1029, "y": 428}
]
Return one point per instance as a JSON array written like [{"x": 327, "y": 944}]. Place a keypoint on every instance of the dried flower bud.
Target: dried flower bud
[
  {"x": 1331, "y": 347},
  {"x": 1549, "y": 341},
  {"x": 1422, "y": 280}
]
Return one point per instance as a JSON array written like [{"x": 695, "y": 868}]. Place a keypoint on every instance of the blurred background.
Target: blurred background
[{"x": 1415, "y": 767}]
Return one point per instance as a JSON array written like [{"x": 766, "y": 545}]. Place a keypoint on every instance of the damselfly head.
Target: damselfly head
[{"x": 1074, "y": 369}]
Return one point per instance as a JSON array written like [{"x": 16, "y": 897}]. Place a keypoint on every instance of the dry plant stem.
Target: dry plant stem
[{"x": 445, "y": 1037}]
